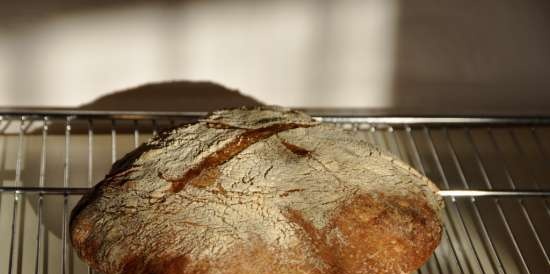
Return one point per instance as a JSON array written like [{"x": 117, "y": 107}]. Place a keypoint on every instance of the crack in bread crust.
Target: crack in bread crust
[
  {"x": 296, "y": 149},
  {"x": 231, "y": 149}
]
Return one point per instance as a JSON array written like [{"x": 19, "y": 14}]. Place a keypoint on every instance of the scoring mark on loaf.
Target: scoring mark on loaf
[
  {"x": 295, "y": 149},
  {"x": 288, "y": 192},
  {"x": 215, "y": 159}
]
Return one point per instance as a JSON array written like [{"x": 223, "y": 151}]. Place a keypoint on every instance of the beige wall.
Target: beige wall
[
  {"x": 429, "y": 56},
  {"x": 473, "y": 55}
]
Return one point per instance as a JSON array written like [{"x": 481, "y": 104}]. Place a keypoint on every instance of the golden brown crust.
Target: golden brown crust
[
  {"x": 258, "y": 191},
  {"x": 386, "y": 234},
  {"x": 378, "y": 235}
]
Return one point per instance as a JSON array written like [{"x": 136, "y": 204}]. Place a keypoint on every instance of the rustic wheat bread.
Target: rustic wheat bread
[{"x": 263, "y": 190}]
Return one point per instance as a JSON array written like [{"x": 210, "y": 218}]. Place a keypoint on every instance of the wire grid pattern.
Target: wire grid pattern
[{"x": 51, "y": 159}]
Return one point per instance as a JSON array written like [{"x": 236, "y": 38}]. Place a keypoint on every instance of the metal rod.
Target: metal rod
[
  {"x": 431, "y": 120},
  {"x": 499, "y": 266},
  {"x": 445, "y": 193},
  {"x": 497, "y": 202},
  {"x": 397, "y": 146},
  {"x": 2, "y": 130},
  {"x": 16, "y": 201},
  {"x": 522, "y": 205},
  {"x": 380, "y": 141},
  {"x": 136, "y": 134},
  {"x": 90, "y": 152},
  {"x": 422, "y": 170},
  {"x": 485, "y": 234},
  {"x": 460, "y": 170},
  {"x": 534, "y": 230},
  {"x": 38, "y": 235},
  {"x": 40, "y": 198},
  {"x": 113, "y": 141},
  {"x": 154, "y": 124},
  {"x": 543, "y": 154},
  {"x": 522, "y": 153},
  {"x": 90, "y": 162},
  {"x": 370, "y": 135},
  {"x": 8, "y": 113},
  {"x": 47, "y": 190},
  {"x": 42, "y": 178},
  {"x": 517, "y": 144},
  {"x": 416, "y": 154},
  {"x": 65, "y": 201},
  {"x": 493, "y": 193}
]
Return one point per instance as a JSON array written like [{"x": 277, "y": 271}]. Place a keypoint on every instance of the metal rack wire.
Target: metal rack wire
[{"x": 493, "y": 173}]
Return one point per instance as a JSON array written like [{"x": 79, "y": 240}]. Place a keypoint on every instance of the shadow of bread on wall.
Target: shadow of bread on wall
[
  {"x": 169, "y": 96},
  {"x": 177, "y": 96}
]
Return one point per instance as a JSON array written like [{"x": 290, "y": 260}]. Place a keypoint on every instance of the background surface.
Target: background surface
[{"x": 433, "y": 56}]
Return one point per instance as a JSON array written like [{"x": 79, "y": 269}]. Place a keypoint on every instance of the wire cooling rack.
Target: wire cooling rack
[{"x": 493, "y": 172}]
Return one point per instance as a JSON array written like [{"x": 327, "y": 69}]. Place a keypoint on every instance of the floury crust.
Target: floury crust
[{"x": 258, "y": 190}]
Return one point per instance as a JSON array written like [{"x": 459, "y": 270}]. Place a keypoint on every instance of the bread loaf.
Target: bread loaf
[{"x": 254, "y": 191}]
